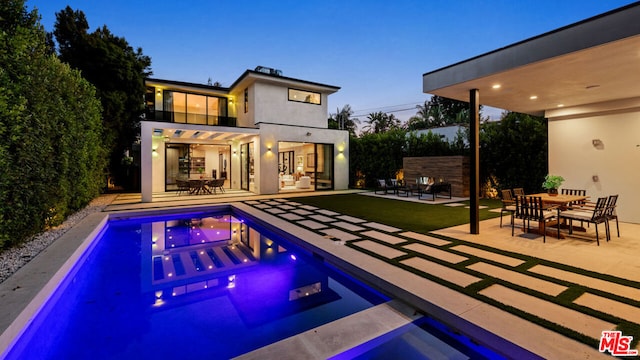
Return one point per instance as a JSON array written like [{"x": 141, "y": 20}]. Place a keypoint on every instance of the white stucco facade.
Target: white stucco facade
[
  {"x": 597, "y": 148},
  {"x": 263, "y": 128}
]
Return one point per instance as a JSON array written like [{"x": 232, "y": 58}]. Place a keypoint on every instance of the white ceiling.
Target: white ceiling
[{"x": 602, "y": 73}]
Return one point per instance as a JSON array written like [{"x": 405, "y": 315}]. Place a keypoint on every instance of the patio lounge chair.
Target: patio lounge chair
[
  {"x": 595, "y": 216},
  {"x": 381, "y": 185},
  {"x": 435, "y": 190}
]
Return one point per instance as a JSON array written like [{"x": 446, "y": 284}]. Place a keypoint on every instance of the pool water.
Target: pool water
[{"x": 208, "y": 286}]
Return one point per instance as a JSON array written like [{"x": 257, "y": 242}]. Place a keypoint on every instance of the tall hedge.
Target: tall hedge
[
  {"x": 51, "y": 157},
  {"x": 379, "y": 155}
]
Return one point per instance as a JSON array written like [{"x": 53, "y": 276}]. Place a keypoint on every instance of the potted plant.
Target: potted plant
[
  {"x": 552, "y": 183},
  {"x": 201, "y": 171}
]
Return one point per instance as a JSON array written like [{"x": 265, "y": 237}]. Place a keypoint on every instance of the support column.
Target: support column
[
  {"x": 146, "y": 159},
  {"x": 474, "y": 183}
]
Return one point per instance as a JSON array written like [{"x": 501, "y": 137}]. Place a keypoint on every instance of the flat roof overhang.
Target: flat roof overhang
[
  {"x": 593, "y": 61},
  {"x": 200, "y": 134}
]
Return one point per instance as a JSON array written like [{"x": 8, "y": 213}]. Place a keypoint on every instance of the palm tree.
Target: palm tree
[
  {"x": 342, "y": 120},
  {"x": 381, "y": 122}
]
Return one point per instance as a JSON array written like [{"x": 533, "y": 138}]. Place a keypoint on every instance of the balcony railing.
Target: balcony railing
[{"x": 190, "y": 118}]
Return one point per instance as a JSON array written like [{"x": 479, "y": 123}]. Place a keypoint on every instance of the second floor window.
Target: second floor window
[
  {"x": 304, "y": 96},
  {"x": 194, "y": 108},
  {"x": 246, "y": 100}
]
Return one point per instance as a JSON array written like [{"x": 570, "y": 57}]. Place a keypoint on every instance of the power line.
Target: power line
[{"x": 386, "y": 109}]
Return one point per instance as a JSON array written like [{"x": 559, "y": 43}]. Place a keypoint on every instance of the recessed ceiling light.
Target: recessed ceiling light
[
  {"x": 560, "y": 105},
  {"x": 496, "y": 86},
  {"x": 533, "y": 97}
]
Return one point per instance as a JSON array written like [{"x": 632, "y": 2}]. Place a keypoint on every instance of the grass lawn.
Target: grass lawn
[{"x": 407, "y": 215}]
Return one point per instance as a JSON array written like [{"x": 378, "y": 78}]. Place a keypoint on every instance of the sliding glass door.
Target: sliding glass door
[{"x": 324, "y": 167}]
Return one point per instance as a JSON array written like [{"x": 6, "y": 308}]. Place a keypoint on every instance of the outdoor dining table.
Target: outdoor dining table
[
  {"x": 197, "y": 186},
  {"x": 559, "y": 200}
]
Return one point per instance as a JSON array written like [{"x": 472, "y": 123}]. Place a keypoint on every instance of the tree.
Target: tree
[
  {"x": 513, "y": 152},
  {"x": 342, "y": 120},
  {"x": 50, "y": 131},
  {"x": 380, "y": 122},
  {"x": 448, "y": 110},
  {"x": 116, "y": 70},
  {"x": 376, "y": 155}
]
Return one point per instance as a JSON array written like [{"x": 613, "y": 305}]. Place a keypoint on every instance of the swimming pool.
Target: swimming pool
[{"x": 198, "y": 285}]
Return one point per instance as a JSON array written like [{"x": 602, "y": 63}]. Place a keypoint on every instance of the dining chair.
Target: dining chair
[
  {"x": 508, "y": 204},
  {"x": 595, "y": 216},
  {"x": 531, "y": 208},
  {"x": 183, "y": 186},
  {"x": 610, "y": 213},
  {"x": 518, "y": 191},
  {"x": 578, "y": 192}
]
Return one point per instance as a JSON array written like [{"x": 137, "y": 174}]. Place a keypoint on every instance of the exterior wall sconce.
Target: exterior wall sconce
[
  {"x": 308, "y": 134},
  {"x": 154, "y": 152},
  {"x": 234, "y": 152},
  {"x": 596, "y": 143},
  {"x": 595, "y": 178},
  {"x": 269, "y": 148},
  {"x": 340, "y": 151}
]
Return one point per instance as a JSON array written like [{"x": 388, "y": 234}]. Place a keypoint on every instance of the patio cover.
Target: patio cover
[{"x": 555, "y": 74}]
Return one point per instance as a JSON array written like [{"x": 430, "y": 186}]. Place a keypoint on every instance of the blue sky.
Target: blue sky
[{"x": 376, "y": 51}]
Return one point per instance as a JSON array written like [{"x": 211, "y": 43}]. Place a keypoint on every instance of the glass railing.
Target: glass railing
[{"x": 190, "y": 118}]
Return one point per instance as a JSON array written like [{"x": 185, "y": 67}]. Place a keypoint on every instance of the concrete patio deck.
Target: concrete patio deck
[{"x": 413, "y": 268}]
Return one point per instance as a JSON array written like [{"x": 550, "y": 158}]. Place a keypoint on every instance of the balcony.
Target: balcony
[{"x": 190, "y": 118}]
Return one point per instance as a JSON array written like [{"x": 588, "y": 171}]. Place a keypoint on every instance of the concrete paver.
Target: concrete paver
[
  {"x": 453, "y": 276},
  {"x": 612, "y": 288},
  {"x": 499, "y": 258},
  {"x": 436, "y": 253},
  {"x": 513, "y": 277},
  {"x": 608, "y": 306},
  {"x": 379, "y": 249},
  {"x": 383, "y": 237},
  {"x": 382, "y": 227},
  {"x": 425, "y": 238},
  {"x": 339, "y": 234},
  {"x": 347, "y": 226},
  {"x": 560, "y": 315}
]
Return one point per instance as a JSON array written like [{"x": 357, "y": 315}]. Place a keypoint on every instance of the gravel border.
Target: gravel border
[{"x": 14, "y": 258}]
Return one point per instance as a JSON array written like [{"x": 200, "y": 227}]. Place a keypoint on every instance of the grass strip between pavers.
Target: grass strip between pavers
[{"x": 367, "y": 210}]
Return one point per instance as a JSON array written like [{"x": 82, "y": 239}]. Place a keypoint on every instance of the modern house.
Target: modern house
[
  {"x": 585, "y": 79},
  {"x": 266, "y": 134}
]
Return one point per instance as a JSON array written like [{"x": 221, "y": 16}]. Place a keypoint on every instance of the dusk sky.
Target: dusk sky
[{"x": 376, "y": 51}]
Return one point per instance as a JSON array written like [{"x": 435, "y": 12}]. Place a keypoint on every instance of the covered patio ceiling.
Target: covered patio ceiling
[
  {"x": 187, "y": 135},
  {"x": 592, "y": 61}
]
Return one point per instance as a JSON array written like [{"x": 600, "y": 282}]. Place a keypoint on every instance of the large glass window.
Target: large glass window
[
  {"x": 196, "y": 109},
  {"x": 304, "y": 96},
  {"x": 305, "y": 166}
]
